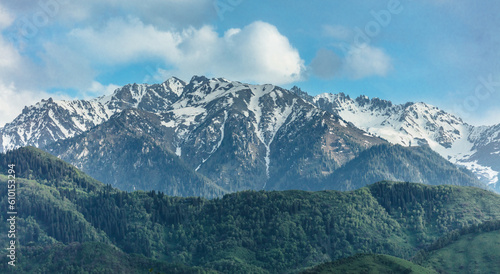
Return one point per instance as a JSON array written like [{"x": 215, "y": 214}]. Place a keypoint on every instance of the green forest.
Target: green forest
[{"x": 69, "y": 221}]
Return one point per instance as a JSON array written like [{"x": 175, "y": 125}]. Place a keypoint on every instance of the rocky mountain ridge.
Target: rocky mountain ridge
[
  {"x": 414, "y": 124},
  {"x": 213, "y": 136},
  {"x": 239, "y": 136}
]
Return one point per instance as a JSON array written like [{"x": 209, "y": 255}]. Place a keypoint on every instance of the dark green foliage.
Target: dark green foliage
[
  {"x": 469, "y": 236},
  {"x": 120, "y": 153},
  {"x": 367, "y": 263},
  {"x": 35, "y": 164},
  {"x": 244, "y": 232},
  {"x": 477, "y": 252},
  {"x": 90, "y": 257}
]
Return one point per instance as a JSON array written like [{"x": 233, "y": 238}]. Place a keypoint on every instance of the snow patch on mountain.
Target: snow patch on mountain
[
  {"x": 255, "y": 106},
  {"x": 51, "y": 120},
  {"x": 188, "y": 115},
  {"x": 415, "y": 124}
]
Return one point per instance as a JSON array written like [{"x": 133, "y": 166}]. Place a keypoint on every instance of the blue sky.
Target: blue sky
[{"x": 442, "y": 52}]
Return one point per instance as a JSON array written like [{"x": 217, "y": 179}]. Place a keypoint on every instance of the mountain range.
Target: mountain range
[
  {"x": 414, "y": 124},
  {"x": 68, "y": 222},
  {"x": 214, "y": 136}
]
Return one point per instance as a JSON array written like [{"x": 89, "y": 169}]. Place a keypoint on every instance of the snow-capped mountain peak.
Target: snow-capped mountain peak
[
  {"x": 51, "y": 120},
  {"x": 415, "y": 124},
  {"x": 195, "y": 118}
]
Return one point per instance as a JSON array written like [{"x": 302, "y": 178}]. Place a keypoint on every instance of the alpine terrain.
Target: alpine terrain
[
  {"x": 68, "y": 222},
  {"x": 414, "y": 124},
  {"x": 213, "y": 136}
]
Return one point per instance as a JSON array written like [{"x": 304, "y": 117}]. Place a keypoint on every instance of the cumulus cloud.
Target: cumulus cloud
[
  {"x": 97, "y": 89},
  {"x": 256, "y": 53},
  {"x": 122, "y": 41},
  {"x": 60, "y": 44}
]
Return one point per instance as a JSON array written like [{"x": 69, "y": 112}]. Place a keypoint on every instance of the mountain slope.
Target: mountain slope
[
  {"x": 236, "y": 135},
  {"x": 233, "y": 132},
  {"x": 367, "y": 263},
  {"x": 246, "y": 231},
  {"x": 415, "y": 124},
  {"x": 397, "y": 163},
  {"x": 213, "y": 136},
  {"x": 50, "y": 120},
  {"x": 473, "y": 249},
  {"x": 43, "y": 167},
  {"x": 90, "y": 257},
  {"x": 128, "y": 152}
]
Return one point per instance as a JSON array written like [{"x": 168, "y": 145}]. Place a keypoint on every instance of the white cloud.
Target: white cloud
[
  {"x": 95, "y": 36},
  {"x": 256, "y": 53},
  {"x": 356, "y": 60},
  {"x": 6, "y": 18},
  {"x": 12, "y": 101},
  {"x": 98, "y": 89},
  {"x": 75, "y": 56},
  {"x": 359, "y": 62},
  {"x": 364, "y": 61},
  {"x": 10, "y": 59},
  {"x": 123, "y": 41}
]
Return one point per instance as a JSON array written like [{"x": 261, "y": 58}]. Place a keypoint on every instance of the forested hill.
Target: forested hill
[
  {"x": 35, "y": 164},
  {"x": 244, "y": 232},
  {"x": 374, "y": 263}
]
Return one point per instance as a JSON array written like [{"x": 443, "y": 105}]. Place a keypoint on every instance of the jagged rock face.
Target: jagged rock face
[
  {"x": 213, "y": 136},
  {"x": 49, "y": 120},
  {"x": 129, "y": 151},
  {"x": 238, "y": 136},
  {"x": 415, "y": 124}
]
